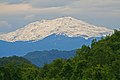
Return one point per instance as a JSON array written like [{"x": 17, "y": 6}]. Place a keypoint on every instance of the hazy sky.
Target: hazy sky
[{"x": 18, "y": 13}]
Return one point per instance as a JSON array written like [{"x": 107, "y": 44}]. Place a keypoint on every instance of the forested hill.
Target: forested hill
[
  {"x": 39, "y": 58},
  {"x": 17, "y": 68},
  {"x": 100, "y": 61}
]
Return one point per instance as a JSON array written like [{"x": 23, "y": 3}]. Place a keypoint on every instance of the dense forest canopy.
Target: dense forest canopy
[{"x": 100, "y": 61}]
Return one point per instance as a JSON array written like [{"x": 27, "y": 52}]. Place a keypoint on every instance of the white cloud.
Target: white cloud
[
  {"x": 39, "y": 3},
  {"x": 49, "y": 3},
  {"x": 62, "y": 6},
  {"x": 4, "y": 24},
  {"x": 13, "y": 8},
  {"x": 29, "y": 17},
  {"x": 102, "y": 8}
]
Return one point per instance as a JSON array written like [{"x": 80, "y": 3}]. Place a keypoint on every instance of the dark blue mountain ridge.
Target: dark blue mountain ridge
[
  {"x": 60, "y": 42},
  {"x": 39, "y": 58}
]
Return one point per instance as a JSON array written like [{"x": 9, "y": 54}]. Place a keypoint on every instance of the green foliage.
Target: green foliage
[
  {"x": 17, "y": 68},
  {"x": 101, "y": 61},
  {"x": 66, "y": 71}
]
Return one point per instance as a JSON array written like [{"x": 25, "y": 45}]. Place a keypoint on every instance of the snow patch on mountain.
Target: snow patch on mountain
[{"x": 61, "y": 26}]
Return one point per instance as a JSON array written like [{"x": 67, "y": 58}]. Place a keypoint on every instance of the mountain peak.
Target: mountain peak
[
  {"x": 70, "y": 18},
  {"x": 66, "y": 25}
]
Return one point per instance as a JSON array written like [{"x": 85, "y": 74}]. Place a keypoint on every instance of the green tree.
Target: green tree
[{"x": 67, "y": 71}]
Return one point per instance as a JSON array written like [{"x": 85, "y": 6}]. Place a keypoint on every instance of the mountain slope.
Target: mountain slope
[
  {"x": 39, "y": 58},
  {"x": 60, "y": 42},
  {"x": 67, "y": 26}
]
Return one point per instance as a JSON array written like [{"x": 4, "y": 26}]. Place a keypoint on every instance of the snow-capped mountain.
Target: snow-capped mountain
[{"x": 68, "y": 26}]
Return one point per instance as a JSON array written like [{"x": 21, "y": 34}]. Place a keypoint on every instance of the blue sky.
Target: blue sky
[{"x": 15, "y": 14}]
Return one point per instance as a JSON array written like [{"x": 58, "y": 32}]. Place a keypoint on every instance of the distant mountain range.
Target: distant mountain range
[
  {"x": 65, "y": 33},
  {"x": 59, "y": 42},
  {"x": 40, "y": 58}
]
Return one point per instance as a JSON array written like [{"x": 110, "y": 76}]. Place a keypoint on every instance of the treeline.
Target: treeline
[
  {"x": 17, "y": 68},
  {"x": 100, "y": 61}
]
